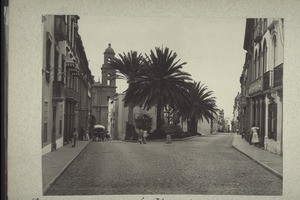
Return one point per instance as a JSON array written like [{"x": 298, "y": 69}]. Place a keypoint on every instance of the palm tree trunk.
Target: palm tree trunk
[
  {"x": 193, "y": 125},
  {"x": 130, "y": 114},
  {"x": 158, "y": 116}
]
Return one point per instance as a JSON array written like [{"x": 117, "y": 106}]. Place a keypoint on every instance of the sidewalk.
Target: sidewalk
[
  {"x": 56, "y": 162},
  {"x": 268, "y": 160}
]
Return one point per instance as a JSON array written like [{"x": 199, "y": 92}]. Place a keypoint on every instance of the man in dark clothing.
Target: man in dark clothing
[{"x": 75, "y": 137}]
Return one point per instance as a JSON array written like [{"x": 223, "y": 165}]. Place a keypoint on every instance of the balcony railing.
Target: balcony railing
[
  {"x": 72, "y": 94},
  {"x": 58, "y": 91},
  {"x": 256, "y": 86},
  {"x": 278, "y": 74},
  {"x": 60, "y": 28},
  {"x": 268, "y": 80}
]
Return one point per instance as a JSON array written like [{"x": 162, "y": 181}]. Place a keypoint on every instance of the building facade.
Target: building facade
[
  {"x": 261, "y": 82},
  {"x": 235, "y": 118},
  {"x": 118, "y": 116},
  {"x": 67, "y": 80},
  {"x": 102, "y": 92}
]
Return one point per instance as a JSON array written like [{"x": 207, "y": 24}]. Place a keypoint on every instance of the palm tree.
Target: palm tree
[
  {"x": 200, "y": 105},
  {"x": 161, "y": 83},
  {"x": 129, "y": 65},
  {"x": 144, "y": 121}
]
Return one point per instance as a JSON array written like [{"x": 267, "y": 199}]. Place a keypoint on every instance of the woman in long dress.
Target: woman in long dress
[{"x": 254, "y": 139}]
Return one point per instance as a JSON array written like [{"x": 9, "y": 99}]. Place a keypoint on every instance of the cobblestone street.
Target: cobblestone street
[{"x": 203, "y": 165}]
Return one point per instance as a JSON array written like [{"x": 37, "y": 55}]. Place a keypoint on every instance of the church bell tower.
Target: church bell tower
[{"x": 108, "y": 73}]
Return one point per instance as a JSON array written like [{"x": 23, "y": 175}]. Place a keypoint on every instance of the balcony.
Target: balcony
[
  {"x": 278, "y": 74},
  {"x": 256, "y": 86},
  {"x": 60, "y": 28},
  {"x": 58, "y": 91},
  {"x": 72, "y": 95},
  {"x": 268, "y": 80}
]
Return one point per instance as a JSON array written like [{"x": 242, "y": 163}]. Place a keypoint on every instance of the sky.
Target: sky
[{"x": 211, "y": 47}]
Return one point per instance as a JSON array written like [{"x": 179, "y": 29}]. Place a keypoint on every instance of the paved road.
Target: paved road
[{"x": 204, "y": 165}]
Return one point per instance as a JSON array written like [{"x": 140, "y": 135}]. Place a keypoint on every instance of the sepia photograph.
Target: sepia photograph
[
  {"x": 127, "y": 109},
  {"x": 151, "y": 100}
]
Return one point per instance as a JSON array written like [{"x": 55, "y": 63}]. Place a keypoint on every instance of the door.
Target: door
[
  {"x": 53, "y": 137},
  {"x": 263, "y": 125}
]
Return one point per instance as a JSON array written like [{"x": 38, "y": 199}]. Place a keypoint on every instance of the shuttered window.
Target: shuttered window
[
  {"x": 45, "y": 132},
  {"x": 272, "y": 121},
  {"x": 48, "y": 54}
]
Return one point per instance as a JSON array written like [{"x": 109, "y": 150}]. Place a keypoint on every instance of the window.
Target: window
[
  {"x": 56, "y": 65},
  {"x": 274, "y": 51},
  {"x": 48, "y": 54},
  {"x": 44, "y": 137},
  {"x": 260, "y": 25},
  {"x": 259, "y": 62},
  {"x": 71, "y": 81},
  {"x": 265, "y": 24},
  {"x": 68, "y": 27},
  {"x": 72, "y": 32},
  {"x": 60, "y": 127},
  {"x": 272, "y": 121},
  {"x": 67, "y": 78},
  {"x": 265, "y": 57},
  {"x": 45, "y": 125},
  {"x": 108, "y": 79},
  {"x": 255, "y": 66},
  {"x": 249, "y": 75},
  {"x": 63, "y": 70},
  {"x": 254, "y": 112}
]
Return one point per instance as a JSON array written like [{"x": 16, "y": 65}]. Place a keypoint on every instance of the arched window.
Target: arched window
[
  {"x": 259, "y": 62},
  {"x": 260, "y": 26},
  {"x": 249, "y": 70},
  {"x": 265, "y": 24},
  {"x": 274, "y": 51},
  {"x": 108, "y": 79},
  {"x": 48, "y": 60},
  {"x": 265, "y": 57},
  {"x": 255, "y": 66}
]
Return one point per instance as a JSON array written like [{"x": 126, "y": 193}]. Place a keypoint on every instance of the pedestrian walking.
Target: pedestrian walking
[
  {"x": 255, "y": 139},
  {"x": 87, "y": 135},
  {"x": 75, "y": 137},
  {"x": 141, "y": 132},
  {"x": 243, "y": 133},
  {"x": 145, "y": 134}
]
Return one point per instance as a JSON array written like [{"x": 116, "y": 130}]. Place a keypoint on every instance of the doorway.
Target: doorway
[{"x": 53, "y": 136}]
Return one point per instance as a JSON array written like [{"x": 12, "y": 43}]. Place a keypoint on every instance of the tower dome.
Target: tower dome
[{"x": 109, "y": 50}]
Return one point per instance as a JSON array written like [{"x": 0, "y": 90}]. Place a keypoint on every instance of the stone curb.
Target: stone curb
[
  {"x": 186, "y": 138},
  {"x": 163, "y": 140},
  {"x": 49, "y": 185},
  {"x": 260, "y": 163}
]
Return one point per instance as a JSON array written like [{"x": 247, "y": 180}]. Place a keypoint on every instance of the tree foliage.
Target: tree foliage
[
  {"x": 129, "y": 65},
  {"x": 161, "y": 83},
  {"x": 200, "y": 105},
  {"x": 144, "y": 122}
]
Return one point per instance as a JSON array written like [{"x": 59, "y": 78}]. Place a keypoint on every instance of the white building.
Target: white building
[
  {"x": 261, "y": 81},
  {"x": 118, "y": 116}
]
